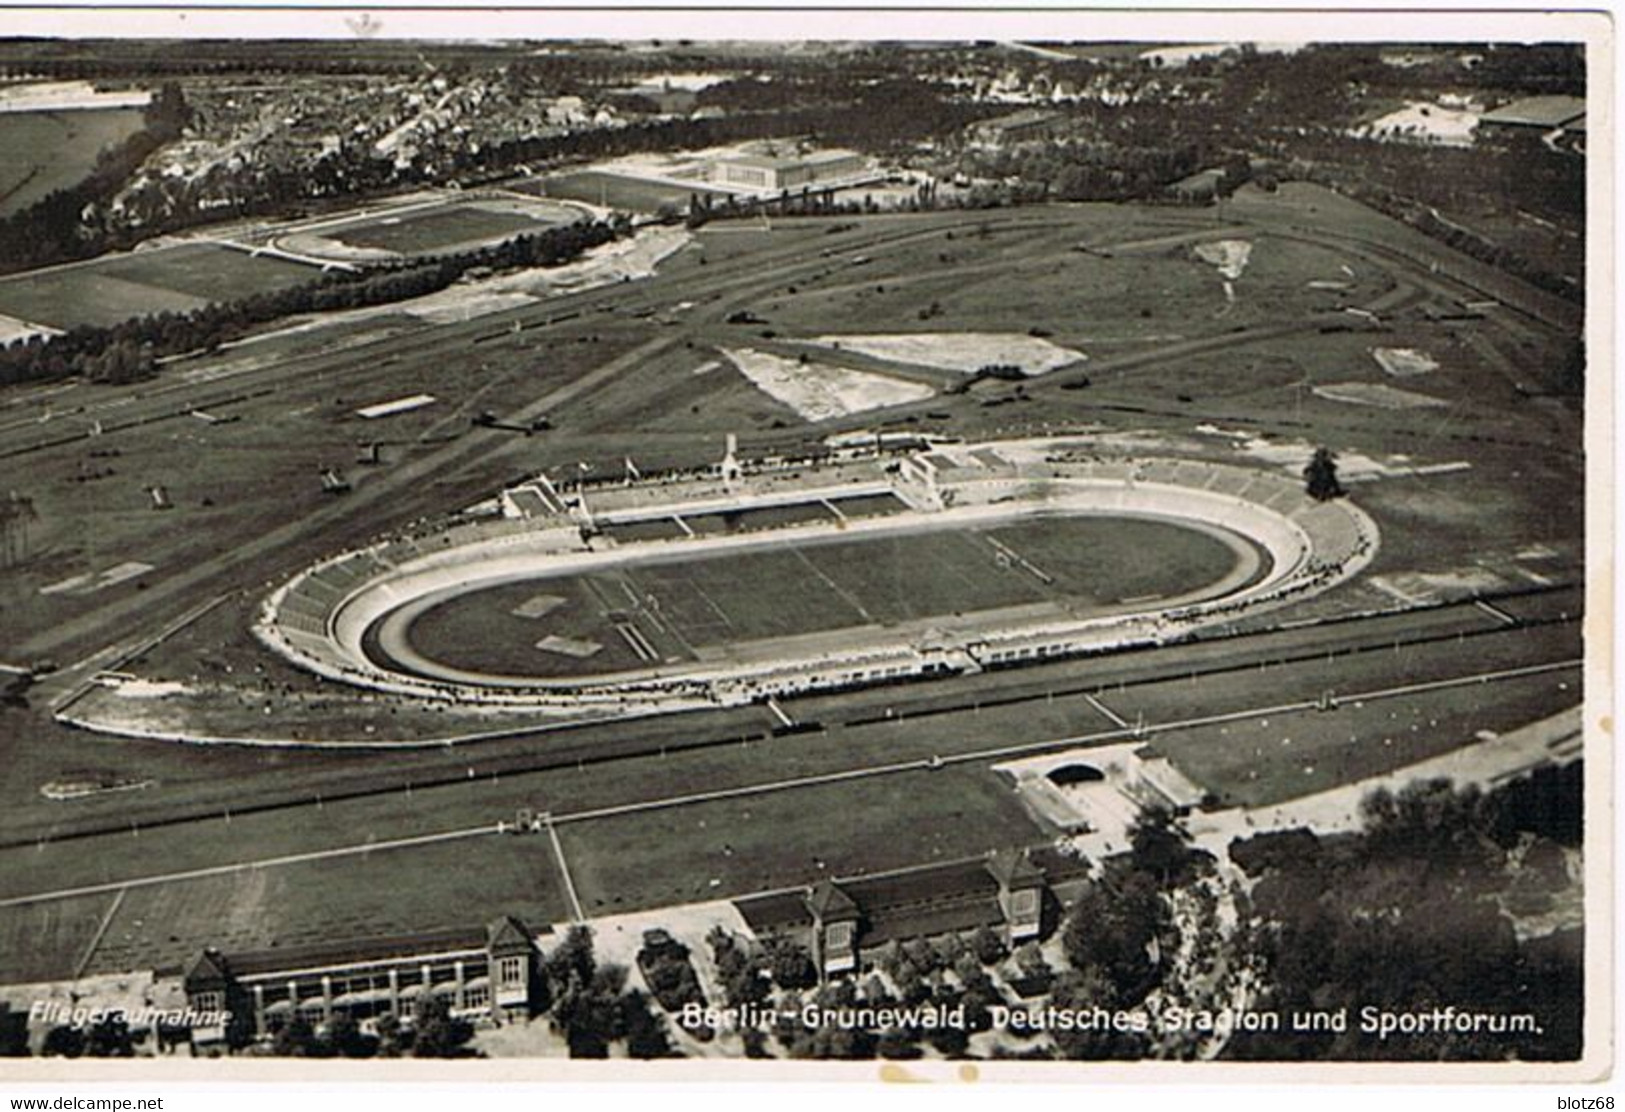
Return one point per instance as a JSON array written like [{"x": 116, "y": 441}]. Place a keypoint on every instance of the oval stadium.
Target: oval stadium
[{"x": 797, "y": 576}]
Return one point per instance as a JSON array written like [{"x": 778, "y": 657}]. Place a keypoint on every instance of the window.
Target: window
[
  {"x": 838, "y": 936},
  {"x": 511, "y": 971},
  {"x": 209, "y": 1002},
  {"x": 477, "y": 997},
  {"x": 1024, "y": 904}
]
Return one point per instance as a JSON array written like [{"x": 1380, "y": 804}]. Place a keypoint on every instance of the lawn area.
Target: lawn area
[
  {"x": 42, "y": 942},
  {"x": 1267, "y": 760},
  {"x": 454, "y": 884},
  {"x": 47, "y": 151},
  {"x": 819, "y": 585},
  {"x": 112, "y": 289},
  {"x": 728, "y": 848},
  {"x": 899, "y": 819},
  {"x": 209, "y": 271},
  {"x": 80, "y": 295},
  {"x": 452, "y": 226}
]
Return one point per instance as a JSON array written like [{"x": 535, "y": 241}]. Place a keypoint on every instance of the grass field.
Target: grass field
[
  {"x": 441, "y": 229},
  {"x": 42, "y": 942},
  {"x": 458, "y": 884},
  {"x": 47, "y": 151},
  {"x": 1269, "y": 760},
  {"x": 733, "y": 847},
  {"x": 639, "y": 858},
  {"x": 614, "y": 191},
  {"x": 699, "y": 604},
  {"x": 115, "y": 288}
]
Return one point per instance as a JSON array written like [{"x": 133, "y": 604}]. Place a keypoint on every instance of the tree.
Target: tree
[
  {"x": 393, "y": 1040},
  {"x": 646, "y": 1035},
  {"x": 1082, "y": 990},
  {"x": 988, "y": 947},
  {"x": 1030, "y": 958},
  {"x": 110, "y": 1038},
  {"x": 296, "y": 1039},
  {"x": 1320, "y": 476},
  {"x": 1161, "y": 847},
  {"x": 571, "y": 965},
  {"x": 63, "y": 1042},
  {"x": 345, "y": 1038},
  {"x": 792, "y": 966},
  {"x": 1112, "y": 929},
  {"x": 591, "y": 1015},
  {"x": 439, "y": 1034},
  {"x": 13, "y": 1032},
  {"x": 833, "y": 1040}
]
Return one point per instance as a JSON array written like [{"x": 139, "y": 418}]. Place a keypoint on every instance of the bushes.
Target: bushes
[{"x": 668, "y": 972}]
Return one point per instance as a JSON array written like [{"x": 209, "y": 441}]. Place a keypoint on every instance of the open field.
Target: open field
[
  {"x": 866, "y": 729},
  {"x": 43, "y": 942},
  {"x": 773, "y": 841},
  {"x": 115, "y": 288},
  {"x": 269, "y": 462},
  {"x": 47, "y": 151},
  {"x": 909, "y": 815},
  {"x": 1017, "y": 703},
  {"x": 453, "y": 226},
  {"x": 1282, "y": 757},
  {"x": 819, "y": 585},
  {"x": 350, "y": 898},
  {"x": 614, "y": 191},
  {"x": 453, "y": 885}
]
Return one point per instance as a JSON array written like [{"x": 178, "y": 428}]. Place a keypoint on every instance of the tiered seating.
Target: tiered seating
[
  {"x": 1113, "y": 470},
  {"x": 292, "y": 621},
  {"x": 1231, "y": 480},
  {"x": 323, "y": 594},
  {"x": 1336, "y": 533},
  {"x": 1162, "y": 471},
  {"x": 296, "y": 602}
]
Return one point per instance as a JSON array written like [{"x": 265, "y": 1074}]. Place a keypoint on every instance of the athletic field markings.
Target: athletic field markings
[
  {"x": 840, "y": 592},
  {"x": 1116, "y": 718},
  {"x": 1495, "y": 612},
  {"x": 564, "y": 872},
  {"x": 925, "y": 764},
  {"x": 263, "y": 863},
  {"x": 694, "y": 588},
  {"x": 83, "y": 963}
]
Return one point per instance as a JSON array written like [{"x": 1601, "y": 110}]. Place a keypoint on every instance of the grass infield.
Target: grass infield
[{"x": 688, "y": 608}]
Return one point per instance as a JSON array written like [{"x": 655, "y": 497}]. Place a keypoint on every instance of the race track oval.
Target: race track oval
[{"x": 658, "y": 614}]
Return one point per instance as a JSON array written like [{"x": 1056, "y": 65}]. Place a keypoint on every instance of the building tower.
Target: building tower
[
  {"x": 834, "y": 928},
  {"x": 731, "y": 471}
]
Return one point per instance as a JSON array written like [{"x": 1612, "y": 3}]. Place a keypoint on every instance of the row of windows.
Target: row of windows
[
  {"x": 307, "y": 987},
  {"x": 1025, "y": 654}
]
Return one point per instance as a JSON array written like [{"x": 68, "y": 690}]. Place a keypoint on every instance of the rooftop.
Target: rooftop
[
  {"x": 500, "y": 933},
  {"x": 779, "y": 162}
]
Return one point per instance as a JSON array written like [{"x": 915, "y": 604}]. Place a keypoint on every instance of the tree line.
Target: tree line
[
  {"x": 129, "y": 351},
  {"x": 53, "y": 229}
]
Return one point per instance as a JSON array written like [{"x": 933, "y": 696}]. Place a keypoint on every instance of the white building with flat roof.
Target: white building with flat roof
[{"x": 774, "y": 173}]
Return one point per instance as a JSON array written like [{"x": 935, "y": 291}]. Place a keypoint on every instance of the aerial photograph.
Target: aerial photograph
[{"x": 537, "y": 548}]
